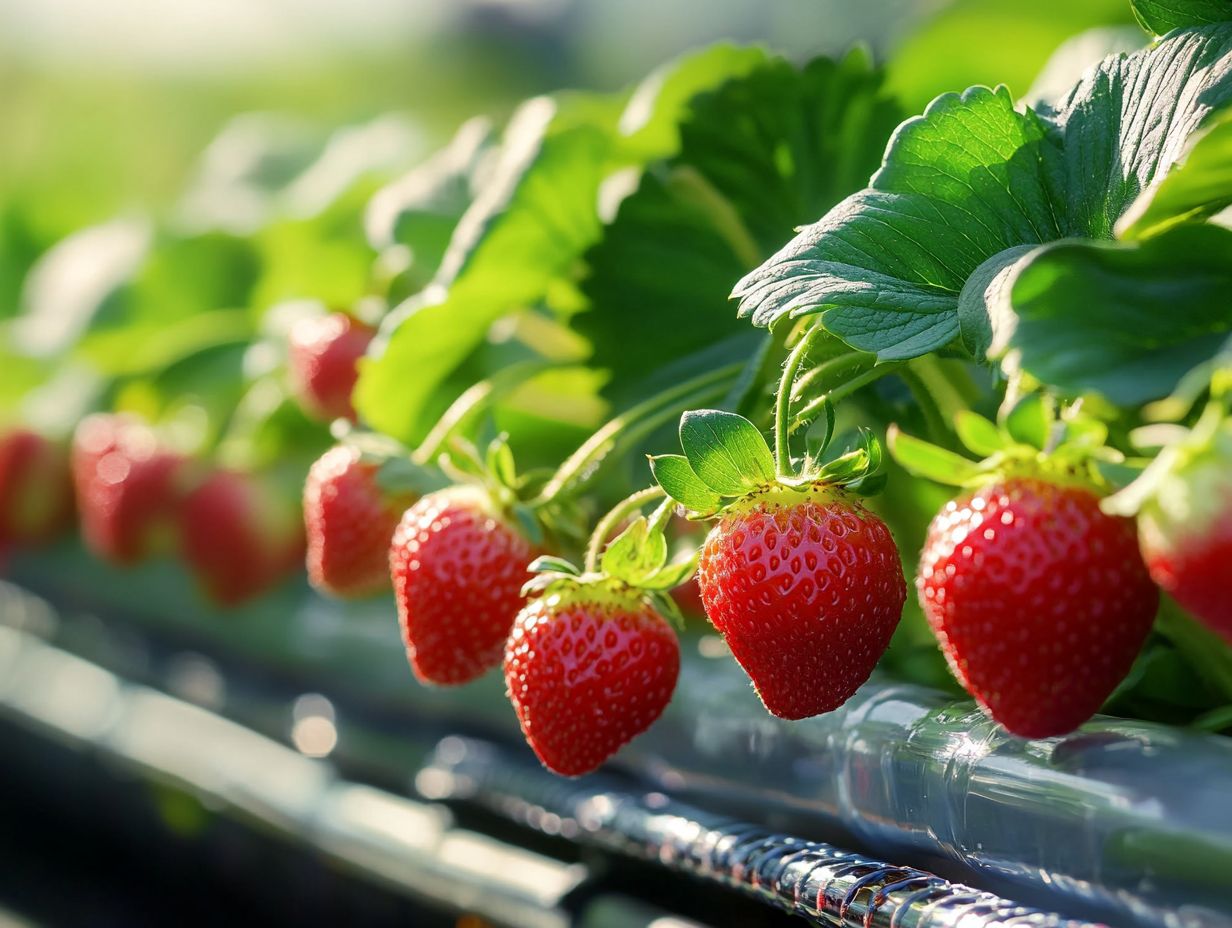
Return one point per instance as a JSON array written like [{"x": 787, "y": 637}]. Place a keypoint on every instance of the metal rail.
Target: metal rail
[{"x": 817, "y": 881}]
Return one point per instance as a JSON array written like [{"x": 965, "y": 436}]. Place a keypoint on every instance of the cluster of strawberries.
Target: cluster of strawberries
[
  {"x": 136, "y": 497},
  {"x": 1040, "y": 595}
]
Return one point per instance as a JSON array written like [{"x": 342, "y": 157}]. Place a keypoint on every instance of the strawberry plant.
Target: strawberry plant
[{"x": 778, "y": 258}]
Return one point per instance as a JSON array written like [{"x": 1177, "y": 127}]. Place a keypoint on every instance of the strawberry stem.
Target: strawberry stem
[
  {"x": 782, "y": 402},
  {"x": 818, "y": 403},
  {"x": 631, "y": 426},
  {"x": 608, "y": 524}
]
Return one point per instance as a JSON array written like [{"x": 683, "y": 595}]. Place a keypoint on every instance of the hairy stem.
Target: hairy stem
[
  {"x": 811, "y": 410},
  {"x": 782, "y": 401},
  {"x": 463, "y": 411},
  {"x": 632, "y": 425}
]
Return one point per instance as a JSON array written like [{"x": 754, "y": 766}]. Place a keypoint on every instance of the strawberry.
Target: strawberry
[
  {"x": 349, "y": 521},
  {"x": 1040, "y": 601},
  {"x": 1185, "y": 522},
  {"x": 36, "y": 491},
  {"x": 807, "y": 588},
  {"x": 240, "y": 536},
  {"x": 588, "y": 669},
  {"x": 128, "y": 488},
  {"x": 325, "y": 351},
  {"x": 457, "y": 567},
  {"x": 803, "y": 582},
  {"x": 1038, "y": 597}
]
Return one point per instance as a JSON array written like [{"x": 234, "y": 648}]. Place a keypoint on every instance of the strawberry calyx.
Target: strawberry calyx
[
  {"x": 633, "y": 569},
  {"x": 727, "y": 463},
  {"x": 1032, "y": 439},
  {"x": 1201, "y": 452}
]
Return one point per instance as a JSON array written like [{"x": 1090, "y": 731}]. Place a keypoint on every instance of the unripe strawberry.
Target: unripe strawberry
[
  {"x": 806, "y": 586},
  {"x": 587, "y": 670},
  {"x": 1185, "y": 527},
  {"x": 458, "y": 568},
  {"x": 128, "y": 488},
  {"x": 36, "y": 491},
  {"x": 1040, "y": 601},
  {"x": 325, "y": 351},
  {"x": 349, "y": 520},
  {"x": 240, "y": 536}
]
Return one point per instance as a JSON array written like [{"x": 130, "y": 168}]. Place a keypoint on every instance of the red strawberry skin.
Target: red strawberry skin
[
  {"x": 1186, "y": 536},
  {"x": 458, "y": 570},
  {"x": 325, "y": 351},
  {"x": 806, "y": 587},
  {"x": 1040, "y": 601},
  {"x": 128, "y": 488},
  {"x": 36, "y": 491},
  {"x": 239, "y": 536},
  {"x": 349, "y": 521},
  {"x": 586, "y": 677}
]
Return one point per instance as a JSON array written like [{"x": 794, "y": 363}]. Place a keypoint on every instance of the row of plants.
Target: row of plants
[{"x": 1027, "y": 302}]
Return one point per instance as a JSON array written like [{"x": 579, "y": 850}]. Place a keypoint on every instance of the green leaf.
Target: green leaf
[
  {"x": 984, "y": 295},
  {"x": 921, "y": 459},
  {"x": 884, "y": 268},
  {"x": 420, "y": 209},
  {"x": 759, "y": 155},
  {"x": 977, "y": 434},
  {"x": 783, "y": 144},
  {"x": 651, "y": 118},
  {"x": 1030, "y": 421},
  {"x": 676, "y": 477},
  {"x": 726, "y": 451},
  {"x": 521, "y": 234},
  {"x": 635, "y": 554},
  {"x": 1162, "y": 16},
  {"x": 1126, "y": 320},
  {"x": 974, "y": 177},
  {"x": 1198, "y": 186}
]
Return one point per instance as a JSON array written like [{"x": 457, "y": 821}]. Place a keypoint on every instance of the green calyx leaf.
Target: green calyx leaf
[
  {"x": 1030, "y": 421},
  {"x": 857, "y": 471},
  {"x": 1033, "y": 437},
  {"x": 635, "y": 554},
  {"x": 726, "y": 451},
  {"x": 676, "y": 477},
  {"x": 922, "y": 459},
  {"x": 550, "y": 564},
  {"x": 977, "y": 434}
]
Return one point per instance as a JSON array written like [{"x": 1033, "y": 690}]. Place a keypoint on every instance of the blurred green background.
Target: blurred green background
[{"x": 106, "y": 107}]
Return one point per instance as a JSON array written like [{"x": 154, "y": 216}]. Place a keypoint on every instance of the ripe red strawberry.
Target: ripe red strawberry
[
  {"x": 458, "y": 569},
  {"x": 587, "y": 671},
  {"x": 323, "y": 363},
  {"x": 1040, "y": 601},
  {"x": 36, "y": 492},
  {"x": 240, "y": 536},
  {"x": 128, "y": 488},
  {"x": 1186, "y": 532},
  {"x": 807, "y": 587},
  {"x": 349, "y": 521}
]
